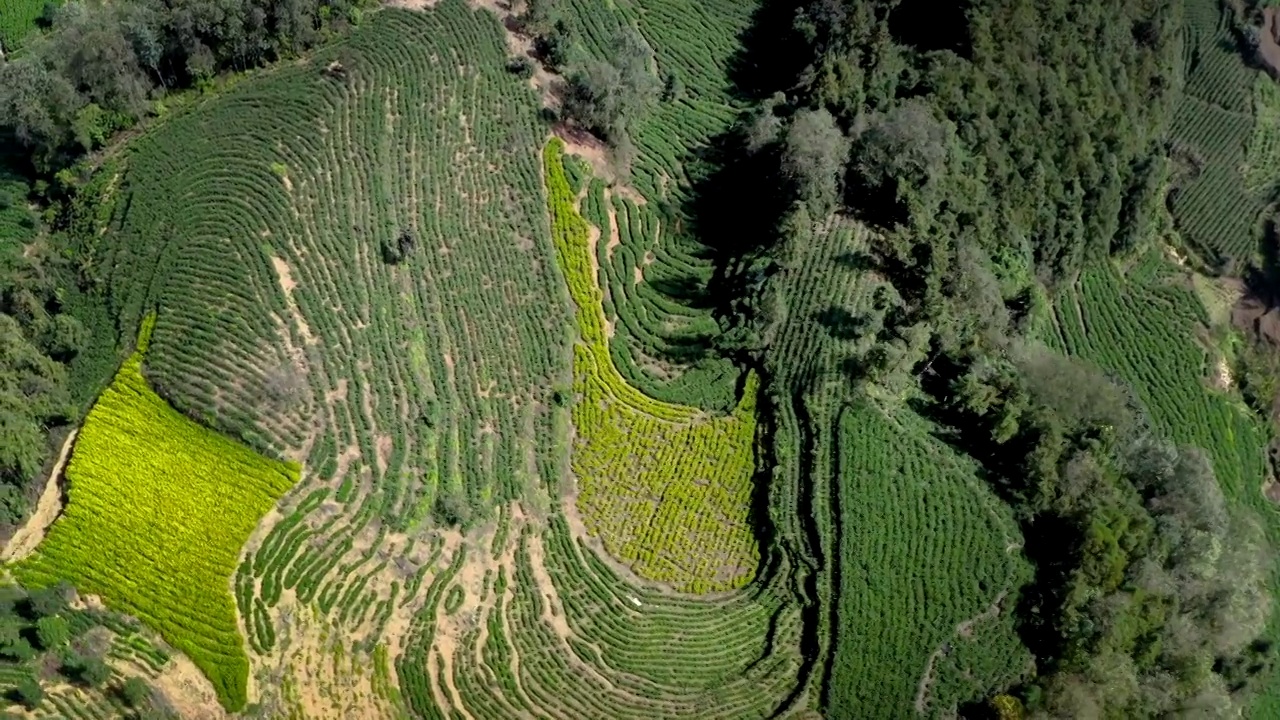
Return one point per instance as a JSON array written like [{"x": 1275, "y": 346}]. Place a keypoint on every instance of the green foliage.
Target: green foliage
[
  {"x": 28, "y": 693},
  {"x": 95, "y": 70},
  {"x": 1215, "y": 206},
  {"x": 814, "y": 154},
  {"x": 659, "y": 292},
  {"x": 135, "y": 692},
  {"x": 53, "y": 632},
  {"x": 636, "y": 652},
  {"x": 667, "y": 490},
  {"x": 37, "y": 338},
  {"x": 1143, "y": 332},
  {"x": 454, "y": 599},
  {"x": 608, "y": 96},
  {"x": 928, "y": 558},
  {"x": 1024, "y": 175},
  {"x": 18, "y": 21},
  {"x": 69, "y": 646},
  {"x": 133, "y": 452}
]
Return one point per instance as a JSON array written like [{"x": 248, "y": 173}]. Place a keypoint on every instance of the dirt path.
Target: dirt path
[
  {"x": 615, "y": 239},
  {"x": 287, "y": 285},
  {"x": 188, "y": 691},
  {"x": 964, "y": 631},
  {"x": 25, "y": 540}
]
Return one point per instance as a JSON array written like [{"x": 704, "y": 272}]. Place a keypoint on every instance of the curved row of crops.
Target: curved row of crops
[
  {"x": 158, "y": 508},
  {"x": 560, "y": 635},
  {"x": 666, "y": 488},
  {"x": 661, "y": 331},
  {"x": 355, "y": 271},
  {"x": 658, "y": 276},
  {"x": 925, "y": 550},
  {"x": 1142, "y": 328},
  {"x": 1215, "y": 207}
]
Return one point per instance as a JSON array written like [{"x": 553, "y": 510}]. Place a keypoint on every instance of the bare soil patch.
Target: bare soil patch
[
  {"x": 1269, "y": 41},
  {"x": 49, "y": 507},
  {"x": 1222, "y": 379},
  {"x": 578, "y": 141},
  {"x": 1271, "y": 491},
  {"x": 411, "y": 4},
  {"x": 288, "y": 284},
  {"x": 188, "y": 691}
]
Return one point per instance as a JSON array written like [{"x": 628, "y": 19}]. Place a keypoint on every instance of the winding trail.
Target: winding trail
[{"x": 49, "y": 507}]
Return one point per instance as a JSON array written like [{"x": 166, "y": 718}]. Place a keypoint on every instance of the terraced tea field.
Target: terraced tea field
[
  {"x": 365, "y": 262},
  {"x": 156, "y": 502},
  {"x": 668, "y": 489},
  {"x": 1225, "y": 183},
  {"x": 17, "y": 21},
  {"x": 655, "y": 265}
]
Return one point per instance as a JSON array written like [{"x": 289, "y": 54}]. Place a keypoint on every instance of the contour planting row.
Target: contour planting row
[
  {"x": 694, "y": 47},
  {"x": 667, "y": 489},
  {"x": 1213, "y": 208},
  {"x": 1136, "y": 332},
  {"x": 428, "y": 365},
  {"x": 158, "y": 508},
  {"x": 923, "y": 546},
  {"x": 630, "y": 652}
]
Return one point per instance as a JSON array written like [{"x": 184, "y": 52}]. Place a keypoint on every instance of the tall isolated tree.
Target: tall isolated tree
[
  {"x": 813, "y": 159},
  {"x": 606, "y": 97}
]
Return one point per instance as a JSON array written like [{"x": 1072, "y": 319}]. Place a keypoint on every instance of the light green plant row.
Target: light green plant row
[
  {"x": 158, "y": 509},
  {"x": 666, "y": 487}
]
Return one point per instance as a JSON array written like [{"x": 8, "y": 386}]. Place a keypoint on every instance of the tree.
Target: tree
[
  {"x": 813, "y": 158},
  {"x": 605, "y": 97},
  {"x": 905, "y": 148},
  {"x": 28, "y": 693},
  {"x": 49, "y": 601},
  {"x": 98, "y": 60},
  {"x": 38, "y": 105},
  {"x": 52, "y": 632},
  {"x": 95, "y": 672},
  {"x": 394, "y": 251},
  {"x": 135, "y": 692},
  {"x": 672, "y": 87},
  {"x": 536, "y": 18},
  {"x": 555, "y": 45},
  {"x": 17, "y": 649}
]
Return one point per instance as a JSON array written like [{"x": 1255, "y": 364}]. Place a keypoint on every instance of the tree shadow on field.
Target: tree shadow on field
[
  {"x": 840, "y": 323},
  {"x": 771, "y": 55},
  {"x": 734, "y": 207},
  {"x": 688, "y": 290}
]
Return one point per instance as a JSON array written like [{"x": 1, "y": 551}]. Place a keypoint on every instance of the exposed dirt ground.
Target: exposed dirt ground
[
  {"x": 25, "y": 540},
  {"x": 287, "y": 285},
  {"x": 1269, "y": 40},
  {"x": 188, "y": 691}
]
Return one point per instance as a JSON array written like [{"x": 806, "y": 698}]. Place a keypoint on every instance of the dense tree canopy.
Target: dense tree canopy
[
  {"x": 100, "y": 64},
  {"x": 994, "y": 155}
]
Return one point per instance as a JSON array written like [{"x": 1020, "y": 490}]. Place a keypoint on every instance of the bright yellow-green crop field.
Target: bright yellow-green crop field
[
  {"x": 666, "y": 487},
  {"x": 158, "y": 509}
]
